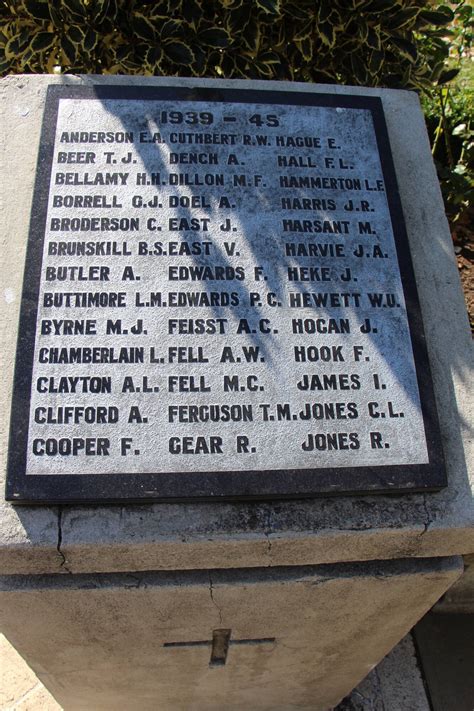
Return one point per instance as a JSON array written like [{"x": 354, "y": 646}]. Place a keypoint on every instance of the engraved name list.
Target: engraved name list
[{"x": 224, "y": 302}]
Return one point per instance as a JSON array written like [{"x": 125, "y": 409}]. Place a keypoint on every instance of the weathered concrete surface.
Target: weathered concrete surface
[
  {"x": 97, "y": 641},
  {"x": 460, "y": 598},
  {"x": 396, "y": 684},
  {"x": 250, "y": 534}
]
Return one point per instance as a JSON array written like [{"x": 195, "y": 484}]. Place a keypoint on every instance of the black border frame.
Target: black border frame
[{"x": 226, "y": 485}]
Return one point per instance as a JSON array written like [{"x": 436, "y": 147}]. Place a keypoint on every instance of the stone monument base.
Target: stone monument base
[{"x": 265, "y": 639}]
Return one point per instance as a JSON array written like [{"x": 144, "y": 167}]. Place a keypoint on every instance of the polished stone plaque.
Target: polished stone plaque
[{"x": 218, "y": 302}]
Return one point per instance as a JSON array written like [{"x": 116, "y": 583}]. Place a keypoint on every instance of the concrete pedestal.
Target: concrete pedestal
[{"x": 299, "y": 638}]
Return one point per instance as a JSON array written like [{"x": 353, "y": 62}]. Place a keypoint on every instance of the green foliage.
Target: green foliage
[
  {"x": 366, "y": 42},
  {"x": 396, "y": 43},
  {"x": 449, "y": 111}
]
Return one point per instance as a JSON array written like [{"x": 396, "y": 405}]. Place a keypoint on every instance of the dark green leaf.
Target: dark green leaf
[
  {"x": 109, "y": 14},
  {"x": 305, "y": 46},
  {"x": 359, "y": 69},
  {"x": 447, "y": 10},
  {"x": 375, "y": 63},
  {"x": 75, "y": 34},
  {"x": 158, "y": 9},
  {"x": 405, "y": 48},
  {"x": 75, "y": 8},
  {"x": 142, "y": 27},
  {"x": 107, "y": 26},
  {"x": 99, "y": 9},
  {"x": 140, "y": 52},
  {"x": 179, "y": 53},
  {"x": 238, "y": 19},
  {"x": 325, "y": 10},
  {"x": 192, "y": 11},
  {"x": 121, "y": 52},
  {"x": 56, "y": 16},
  {"x": 324, "y": 76},
  {"x": 436, "y": 17},
  {"x": 24, "y": 36},
  {"x": 338, "y": 20},
  {"x": 154, "y": 55},
  {"x": 465, "y": 13},
  {"x": 448, "y": 75},
  {"x": 442, "y": 47},
  {"x": 382, "y": 5},
  {"x": 326, "y": 32},
  {"x": 42, "y": 41},
  {"x": 272, "y": 7},
  {"x": 215, "y": 37},
  {"x": 199, "y": 66},
  {"x": 306, "y": 30},
  {"x": 69, "y": 49},
  {"x": 373, "y": 38},
  {"x": 264, "y": 70},
  {"x": 12, "y": 48},
  {"x": 251, "y": 37},
  {"x": 421, "y": 83},
  {"x": 226, "y": 68},
  {"x": 129, "y": 62},
  {"x": 295, "y": 11},
  {"x": 91, "y": 39},
  {"x": 362, "y": 29},
  {"x": 172, "y": 28},
  {"x": 403, "y": 18},
  {"x": 269, "y": 58},
  {"x": 174, "y": 6},
  {"x": 38, "y": 9}
]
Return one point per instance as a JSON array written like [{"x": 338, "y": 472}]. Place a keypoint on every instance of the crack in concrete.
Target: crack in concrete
[
  {"x": 211, "y": 592},
  {"x": 428, "y": 521},
  {"x": 269, "y": 548},
  {"x": 267, "y": 532},
  {"x": 135, "y": 581},
  {"x": 364, "y": 699},
  {"x": 63, "y": 563},
  {"x": 379, "y": 688},
  {"x": 24, "y": 697}
]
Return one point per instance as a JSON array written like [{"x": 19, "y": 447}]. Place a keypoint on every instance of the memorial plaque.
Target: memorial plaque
[{"x": 218, "y": 302}]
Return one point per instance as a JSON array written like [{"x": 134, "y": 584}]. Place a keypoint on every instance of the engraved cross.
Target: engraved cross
[{"x": 221, "y": 639}]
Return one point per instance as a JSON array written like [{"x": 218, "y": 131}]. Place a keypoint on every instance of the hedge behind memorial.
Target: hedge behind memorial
[{"x": 395, "y": 43}]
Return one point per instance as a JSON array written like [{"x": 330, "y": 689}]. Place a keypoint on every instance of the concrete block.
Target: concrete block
[
  {"x": 300, "y": 638},
  {"x": 396, "y": 684},
  {"x": 460, "y": 598}
]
